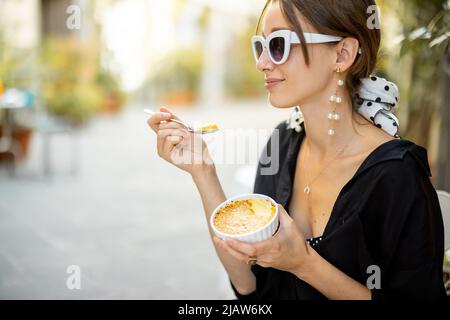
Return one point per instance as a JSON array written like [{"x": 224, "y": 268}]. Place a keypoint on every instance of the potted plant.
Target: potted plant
[
  {"x": 113, "y": 95},
  {"x": 70, "y": 88},
  {"x": 179, "y": 76}
]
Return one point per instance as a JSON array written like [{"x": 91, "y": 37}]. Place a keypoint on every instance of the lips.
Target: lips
[{"x": 271, "y": 82}]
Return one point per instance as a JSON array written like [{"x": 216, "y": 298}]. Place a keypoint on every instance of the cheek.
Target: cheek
[
  {"x": 295, "y": 72},
  {"x": 303, "y": 80},
  {"x": 299, "y": 76}
]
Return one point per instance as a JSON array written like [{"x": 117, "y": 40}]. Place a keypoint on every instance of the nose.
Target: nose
[{"x": 264, "y": 63}]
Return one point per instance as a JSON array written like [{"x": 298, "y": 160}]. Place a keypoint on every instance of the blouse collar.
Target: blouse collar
[{"x": 390, "y": 150}]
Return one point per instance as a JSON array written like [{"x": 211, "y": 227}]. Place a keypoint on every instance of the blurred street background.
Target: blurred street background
[{"x": 80, "y": 180}]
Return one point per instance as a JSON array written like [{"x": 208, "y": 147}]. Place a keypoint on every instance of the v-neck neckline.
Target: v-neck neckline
[{"x": 365, "y": 164}]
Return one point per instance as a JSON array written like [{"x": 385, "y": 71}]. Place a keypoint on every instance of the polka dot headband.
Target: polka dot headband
[{"x": 375, "y": 101}]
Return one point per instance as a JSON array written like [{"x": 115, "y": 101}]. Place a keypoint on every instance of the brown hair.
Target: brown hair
[{"x": 344, "y": 18}]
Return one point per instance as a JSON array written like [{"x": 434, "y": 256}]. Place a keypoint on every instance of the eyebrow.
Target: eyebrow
[{"x": 276, "y": 29}]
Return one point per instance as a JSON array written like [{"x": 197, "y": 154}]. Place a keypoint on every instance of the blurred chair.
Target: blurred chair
[
  {"x": 49, "y": 126},
  {"x": 14, "y": 100},
  {"x": 444, "y": 201},
  {"x": 11, "y": 101}
]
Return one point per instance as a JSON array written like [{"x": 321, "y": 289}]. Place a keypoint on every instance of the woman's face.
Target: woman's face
[{"x": 294, "y": 83}]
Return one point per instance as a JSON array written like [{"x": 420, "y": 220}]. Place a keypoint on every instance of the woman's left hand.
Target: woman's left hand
[{"x": 287, "y": 250}]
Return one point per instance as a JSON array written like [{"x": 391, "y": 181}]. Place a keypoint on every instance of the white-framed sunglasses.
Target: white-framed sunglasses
[{"x": 278, "y": 43}]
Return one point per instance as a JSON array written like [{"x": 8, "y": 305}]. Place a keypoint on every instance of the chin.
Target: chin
[{"x": 280, "y": 102}]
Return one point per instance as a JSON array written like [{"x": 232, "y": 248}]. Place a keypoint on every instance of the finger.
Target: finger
[
  {"x": 250, "y": 249},
  {"x": 287, "y": 224},
  {"x": 281, "y": 210},
  {"x": 167, "y": 147},
  {"x": 164, "y": 109},
  {"x": 156, "y": 119},
  {"x": 177, "y": 153},
  {"x": 171, "y": 125},
  {"x": 163, "y": 134},
  {"x": 169, "y": 144},
  {"x": 236, "y": 254},
  {"x": 284, "y": 216},
  {"x": 173, "y": 140}
]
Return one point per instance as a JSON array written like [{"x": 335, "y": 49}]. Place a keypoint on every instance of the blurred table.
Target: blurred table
[
  {"x": 12, "y": 100},
  {"x": 6, "y": 140}
]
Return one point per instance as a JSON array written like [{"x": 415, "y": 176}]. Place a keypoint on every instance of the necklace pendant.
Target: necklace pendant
[{"x": 307, "y": 189}]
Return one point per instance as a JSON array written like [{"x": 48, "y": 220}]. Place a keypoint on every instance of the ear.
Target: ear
[{"x": 346, "y": 52}]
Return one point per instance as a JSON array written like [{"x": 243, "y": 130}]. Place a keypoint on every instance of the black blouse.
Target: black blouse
[{"x": 387, "y": 215}]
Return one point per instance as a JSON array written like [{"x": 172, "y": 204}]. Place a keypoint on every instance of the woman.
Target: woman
[{"x": 360, "y": 218}]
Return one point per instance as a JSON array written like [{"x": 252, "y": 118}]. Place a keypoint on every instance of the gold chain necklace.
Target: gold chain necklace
[{"x": 307, "y": 188}]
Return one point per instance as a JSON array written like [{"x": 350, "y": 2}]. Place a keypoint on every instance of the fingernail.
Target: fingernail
[{"x": 166, "y": 115}]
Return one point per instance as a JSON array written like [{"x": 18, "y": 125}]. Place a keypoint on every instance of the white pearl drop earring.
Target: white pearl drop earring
[{"x": 336, "y": 99}]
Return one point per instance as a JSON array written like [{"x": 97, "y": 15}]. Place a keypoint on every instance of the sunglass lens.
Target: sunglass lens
[
  {"x": 276, "y": 47},
  {"x": 258, "y": 48}
]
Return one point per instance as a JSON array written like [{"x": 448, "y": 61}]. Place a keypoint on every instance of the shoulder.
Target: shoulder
[
  {"x": 398, "y": 188},
  {"x": 400, "y": 169},
  {"x": 404, "y": 159}
]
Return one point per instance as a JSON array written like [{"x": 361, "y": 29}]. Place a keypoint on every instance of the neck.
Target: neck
[{"x": 316, "y": 122}]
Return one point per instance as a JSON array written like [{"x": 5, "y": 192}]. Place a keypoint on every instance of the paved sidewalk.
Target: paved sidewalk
[{"x": 133, "y": 223}]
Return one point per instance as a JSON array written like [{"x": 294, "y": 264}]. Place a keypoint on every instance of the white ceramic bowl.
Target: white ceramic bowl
[{"x": 261, "y": 234}]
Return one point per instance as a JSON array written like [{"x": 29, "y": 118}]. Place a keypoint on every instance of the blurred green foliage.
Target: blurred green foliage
[
  {"x": 178, "y": 76},
  {"x": 74, "y": 85},
  {"x": 14, "y": 64},
  {"x": 426, "y": 33},
  {"x": 111, "y": 90},
  {"x": 242, "y": 77},
  {"x": 68, "y": 85},
  {"x": 179, "y": 73}
]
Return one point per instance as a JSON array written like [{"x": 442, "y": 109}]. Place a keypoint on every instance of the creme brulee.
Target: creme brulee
[{"x": 244, "y": 216}]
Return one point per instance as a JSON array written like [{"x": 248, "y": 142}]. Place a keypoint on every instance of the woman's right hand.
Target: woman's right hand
[
  {"x": 188, "y": 152},
  {"x": 177, "y": 145}
]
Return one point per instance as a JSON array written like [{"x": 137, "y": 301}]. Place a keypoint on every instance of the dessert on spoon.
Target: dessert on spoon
[{"x": 204, "y": 129}]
